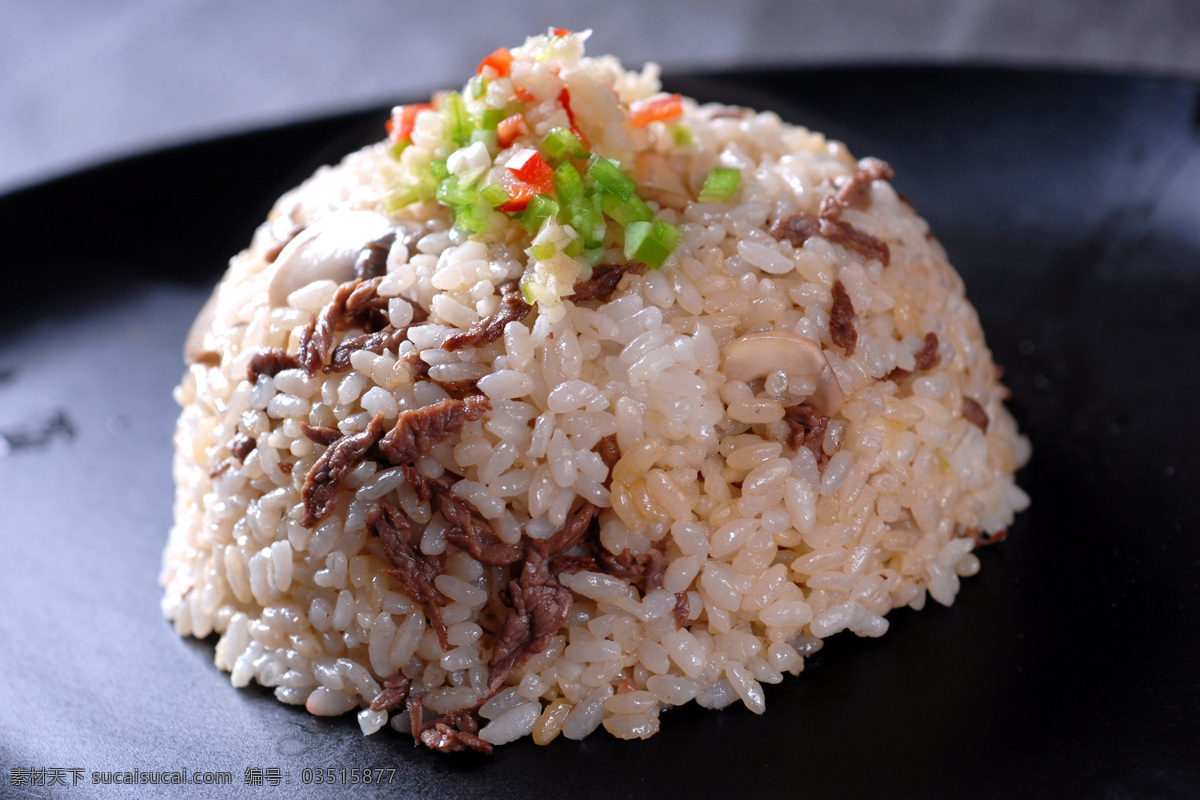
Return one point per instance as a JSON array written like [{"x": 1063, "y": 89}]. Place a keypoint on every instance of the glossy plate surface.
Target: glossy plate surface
[{"x": 1068, "y": 667}]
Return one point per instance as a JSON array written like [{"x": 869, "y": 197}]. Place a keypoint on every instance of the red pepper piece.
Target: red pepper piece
[
  {"x": 404, "y": 119},
  {"x": 519, "y": 195},
  {"x": 655, "y": 109},
  {"x": 509, "y": 129},
  {"x": 529, "y": 166},
  {"x": 501, "y": 61}
]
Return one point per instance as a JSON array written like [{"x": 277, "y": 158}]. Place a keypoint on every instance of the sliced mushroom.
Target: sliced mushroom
[
  {"x": 756, "y": 355},
  {"x": 325, "y": 250},
  {"x": 657, "y": 181},
  {"x": 194, "y": 349}
]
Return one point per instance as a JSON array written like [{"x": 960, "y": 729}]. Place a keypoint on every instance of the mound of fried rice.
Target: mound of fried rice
[{"x": 463, "y": 465}]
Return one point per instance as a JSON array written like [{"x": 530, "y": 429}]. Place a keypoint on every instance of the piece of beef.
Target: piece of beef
[
  {"x": 241, "y": 446},
  {"x": 416, "y": 717},
  {"x": 444, "y": 738},
  {"x": 850, "y": 237},
  {"x": 857, "y": 193},
  {"x": 365, "y": 308},
  {"x": 387, "y": 338},
  {"x": 540, "y": 605},
  {"x": 609, "y": 452},
  {"x": 415, "y": 571},
  {"x": 643, "y": 569},
  {"x": 603, "y": 282},
  {"x": 801, "y": 226},
  {"x": 317, "y": 337},
  {"x": 841, "y": 320},
  {"x": 682, "y": 609},
  {"x": 513, "y": 308},
  {"x": 320, "y": 434},
  {"x": 321, "y": 483},
  {"x": 270, "y": 361},
  {"x": 420, "y": 369},
  {"x": 574, "y": 532},
  {"x": 979, "y": 538},
  {"x": 418, "y": 430},
  {"x": 807, "y": 429},
  {"x": 797, "y": 228},
  {"x": 974, "y": 413},
  {"x": 372, "y": 261},
  {"x": 927, "y": 358},
  {"x": 395, "y": 692},
  {"x": 468, "y": 531}
]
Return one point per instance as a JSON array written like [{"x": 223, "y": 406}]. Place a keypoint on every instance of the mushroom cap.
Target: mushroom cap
[
  {"x": 325, "y": 250},
  {"x": 756, "y": 355}
]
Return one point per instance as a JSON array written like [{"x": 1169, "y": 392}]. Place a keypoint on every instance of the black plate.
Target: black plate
[{"x": 1068, "y": 667}]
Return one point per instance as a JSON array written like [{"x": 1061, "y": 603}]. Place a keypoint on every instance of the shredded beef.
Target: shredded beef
[
  {"x": 241, "y": 446},
  {"x": 857, "y": 192},
  {"x": 975, "y": 413},
  {"x": 807, "y": 429},
  {"x": 603, "y": 282},
  {"x": 574, "y": 532},
  {"x": 609, "y": 451},
  {"x": 420, "y": 369},
  {"x": 464, "y": 721},
  {"x": 682, "y": 609},
  {"x": 415, "y": 571},
  {"x": 623, "y": 565},
  {"x": 388, "y": 338},
  {"x": 642, "y": 569},
  {"x": 540, "y": 605},
  {"x": 979, "y": 538},
  {"x": 364, "y": 307},
  {"x": 416, "y": 717},
  {"x": 317, "y": 336},
  {"x": 444, "y": 738},
  {"x": 654, "y": 569},
  {"x": 319, "y": 434},
  {"x": 927, "y": 358},
  {"x": 468, "y": 531},
  {"x": 321, "y": 484},
  {"x": 801, "y": 226},
  {"x": 841, "y": 320},
  {"x": 513, "y": 308},
  {"x": 417, "y": 431},
  {"x": 572, "y": 564},
  {"x": 271, "y": 362},
  {"x": 372, "y": 261},
  {"x": 395, "y": 692},
  {"x": 850, "y": 237},
  {"x": 797, "y": 228}
]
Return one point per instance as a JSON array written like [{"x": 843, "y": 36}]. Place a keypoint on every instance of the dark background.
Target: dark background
[{"x": 81, "y": 82}]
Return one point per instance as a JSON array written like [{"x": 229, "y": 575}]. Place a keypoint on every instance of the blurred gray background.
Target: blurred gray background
[{"x": 86, "y": 82}]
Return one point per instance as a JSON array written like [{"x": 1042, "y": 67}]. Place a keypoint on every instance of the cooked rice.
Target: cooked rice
[{"x": 775, "y": 547}]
